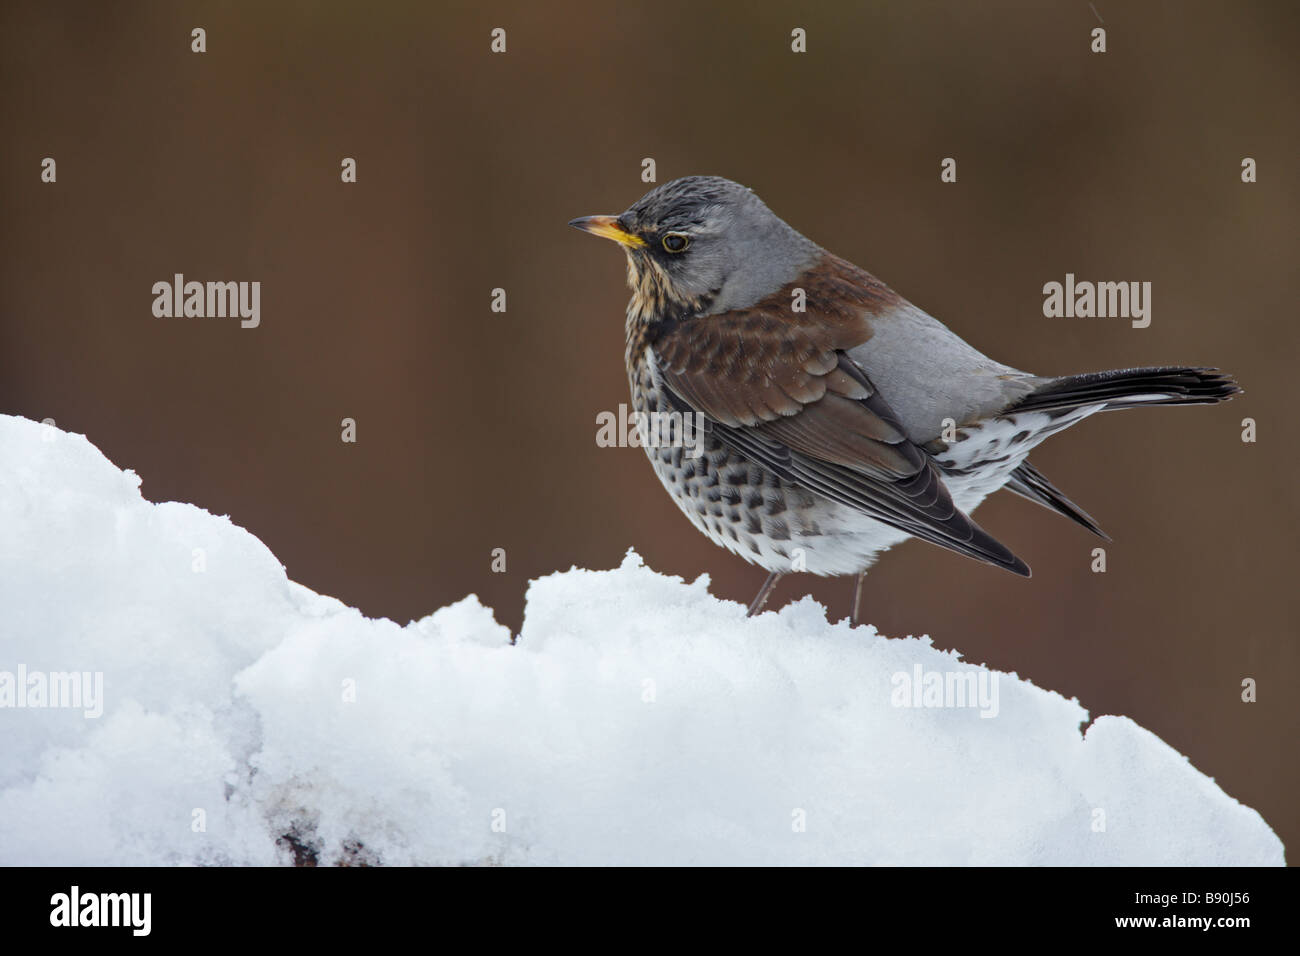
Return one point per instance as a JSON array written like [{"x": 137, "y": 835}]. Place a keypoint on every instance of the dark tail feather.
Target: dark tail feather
[
  {"x": 1131, "y": 387},
  {"x": 1028, "y": 482}
]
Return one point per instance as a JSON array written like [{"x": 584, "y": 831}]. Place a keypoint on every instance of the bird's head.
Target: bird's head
[{"x": 702, "y": 245}]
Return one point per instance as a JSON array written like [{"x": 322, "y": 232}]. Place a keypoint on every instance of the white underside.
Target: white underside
[{"x": 847, "y": 541}]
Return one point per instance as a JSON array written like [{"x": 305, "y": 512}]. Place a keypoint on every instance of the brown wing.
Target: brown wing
[
  {"x": 779, "y": 389},
  {"x": 770, "y": 361}
]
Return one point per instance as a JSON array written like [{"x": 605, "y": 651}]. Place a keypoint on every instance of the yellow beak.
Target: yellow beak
[{"x": 607, "y": 227}]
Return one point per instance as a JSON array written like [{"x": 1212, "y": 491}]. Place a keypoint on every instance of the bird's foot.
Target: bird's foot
[{"x": 764, "y": 593}]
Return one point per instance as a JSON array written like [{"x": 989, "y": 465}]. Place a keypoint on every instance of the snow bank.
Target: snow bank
[{"x": 637, "y": 720}]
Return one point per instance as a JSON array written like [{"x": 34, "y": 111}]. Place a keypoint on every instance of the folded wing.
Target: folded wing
[{"x": 776, "y": 386}]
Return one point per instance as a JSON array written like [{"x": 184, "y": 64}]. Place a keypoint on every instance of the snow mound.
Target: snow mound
[{"x": 637, "y": 720}]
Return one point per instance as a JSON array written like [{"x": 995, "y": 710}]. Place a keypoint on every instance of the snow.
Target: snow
[{"x": 636, "y": 720}]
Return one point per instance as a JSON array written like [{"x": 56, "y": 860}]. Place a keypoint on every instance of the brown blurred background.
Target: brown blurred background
[{"x": 476, "y": 430}]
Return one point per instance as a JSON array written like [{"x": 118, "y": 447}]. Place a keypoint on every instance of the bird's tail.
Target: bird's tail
[{"x": 1131, "y": 387}]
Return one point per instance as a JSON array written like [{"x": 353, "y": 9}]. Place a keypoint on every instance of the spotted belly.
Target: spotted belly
[{"x": 754, "y": 513}]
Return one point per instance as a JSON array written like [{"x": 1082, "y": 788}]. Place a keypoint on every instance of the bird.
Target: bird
[{"x": 836, "y": 419}]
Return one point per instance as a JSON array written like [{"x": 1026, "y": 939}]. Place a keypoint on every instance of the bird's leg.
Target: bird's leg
[
  {"x": 764, "y": 592},
  {"x": 857, "y": 598}
]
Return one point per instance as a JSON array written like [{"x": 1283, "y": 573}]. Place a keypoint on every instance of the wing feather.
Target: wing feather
[{"x": 777, "y": 387}]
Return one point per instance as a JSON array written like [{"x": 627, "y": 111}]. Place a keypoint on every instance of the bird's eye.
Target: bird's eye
[{"x": 676, "y": 242}]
